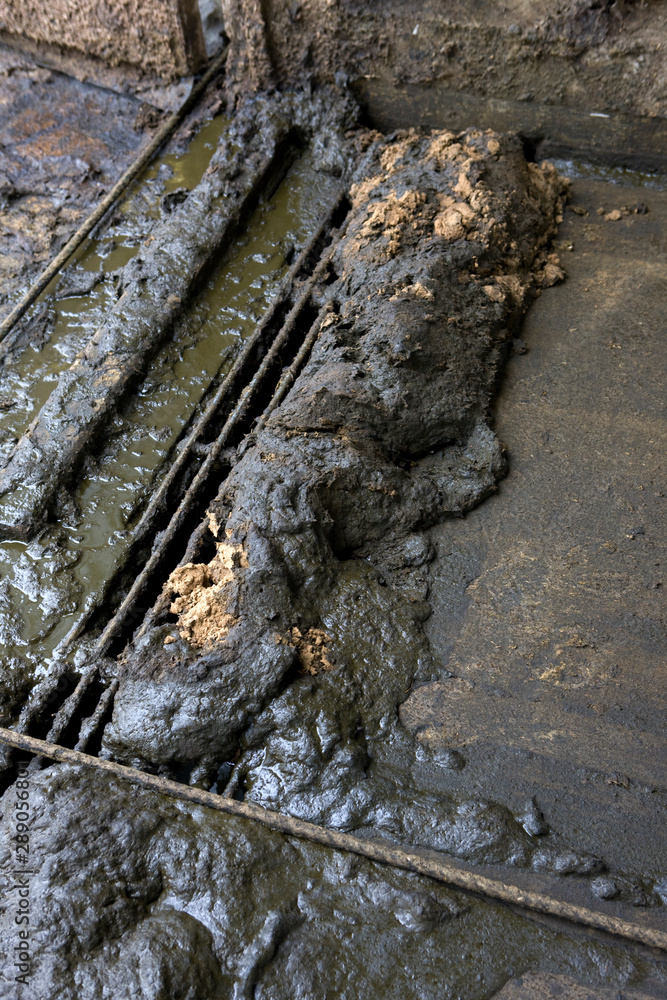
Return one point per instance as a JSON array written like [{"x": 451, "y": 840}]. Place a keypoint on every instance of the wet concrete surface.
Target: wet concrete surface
[
  {"x": 545, "y": 986},
  {"x": 63, "y": 145},
  {"x": 548, "y": 601}
]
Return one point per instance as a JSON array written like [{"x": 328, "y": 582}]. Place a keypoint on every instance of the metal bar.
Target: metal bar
[
  {"x": 378, "y": 850},
  {"x": 64, "y": 714},
  {"x": 98, "y": 213},
  {"x": 213, "y": 407},
  {"x": 289, "y": 377},
  {"x": 89, "y": 725},
  {"x": 37, "y": 704},
  {"x": 40, "y": 697}
]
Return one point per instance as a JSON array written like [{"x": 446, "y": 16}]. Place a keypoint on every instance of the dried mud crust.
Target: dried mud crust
[
  {"x": 597, "y": 55},
  {"x": 109, "y": 31},
  {"x": 293, "y": 645}
]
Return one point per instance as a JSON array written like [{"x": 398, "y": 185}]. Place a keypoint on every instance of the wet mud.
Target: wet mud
[
  {"x": 45, "y": 581},
  {"x": 48, "y": 582},
  {"x": 143, "y": 896},
  {"x": 392, "y": 406},
  {"x": 149, "y": 295}
]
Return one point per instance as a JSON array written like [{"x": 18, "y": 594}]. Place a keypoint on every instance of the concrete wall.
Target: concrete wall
[
  {"x": 592, "y": 55},
  {"x": 161, "y": 37}
]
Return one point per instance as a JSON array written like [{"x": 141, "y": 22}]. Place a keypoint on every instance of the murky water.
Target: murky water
[{"x": 45, "y": 584}]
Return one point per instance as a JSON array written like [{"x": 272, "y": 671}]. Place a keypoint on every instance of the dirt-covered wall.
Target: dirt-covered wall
[
  {"x": 598, "y": 55},
  {"x": 162, "y": 37}
]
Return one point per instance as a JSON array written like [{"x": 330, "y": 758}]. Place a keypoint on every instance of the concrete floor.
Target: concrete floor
[{"x": 548, "y": 600}]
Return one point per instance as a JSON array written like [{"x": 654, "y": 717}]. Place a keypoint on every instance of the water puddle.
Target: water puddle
[{"x": 46, "y": 584}]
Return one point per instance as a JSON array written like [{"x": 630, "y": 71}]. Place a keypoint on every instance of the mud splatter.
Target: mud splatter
[{"x": 132, "y": 885}]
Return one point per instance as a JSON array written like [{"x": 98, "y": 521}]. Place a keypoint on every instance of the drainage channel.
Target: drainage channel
[
  {"x": 206, "y": 387},
  {"x": 66, "y": 559}
]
